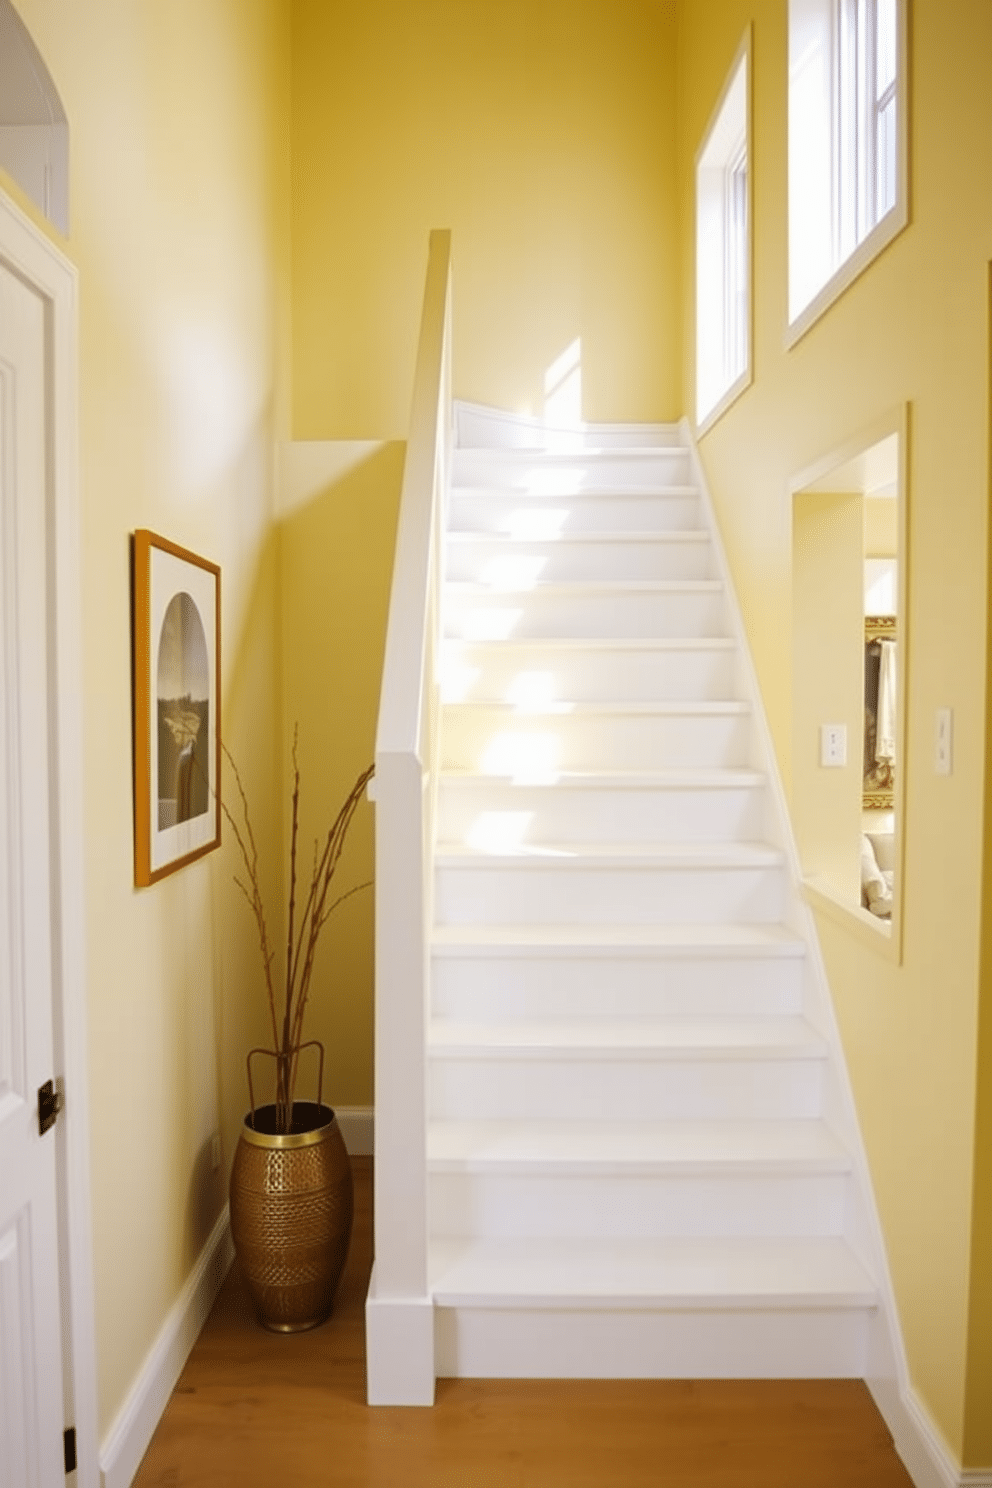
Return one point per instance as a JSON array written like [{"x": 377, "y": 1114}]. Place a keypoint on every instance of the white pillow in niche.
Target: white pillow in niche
[
  {"x": 876, "y": 882},
  {"x": 884, "y": 846}
]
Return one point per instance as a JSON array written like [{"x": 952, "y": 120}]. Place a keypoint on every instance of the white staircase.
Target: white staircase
[{"x": 633, "y": 1150}]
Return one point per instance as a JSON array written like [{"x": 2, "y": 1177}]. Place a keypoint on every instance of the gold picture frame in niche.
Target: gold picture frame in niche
[
  {"x": 879, "y": 762},
  {"x": 176, "y": 707}
]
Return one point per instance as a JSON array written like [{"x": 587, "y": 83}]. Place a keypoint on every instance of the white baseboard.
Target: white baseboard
[
  {"x": 920, "y": 1443},
  {"x": 357, "y": 1125},
  {"x": 127, "y": 1440}
]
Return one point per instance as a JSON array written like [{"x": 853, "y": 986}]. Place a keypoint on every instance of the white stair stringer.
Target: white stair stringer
[{"x": 642, "y": 1154}]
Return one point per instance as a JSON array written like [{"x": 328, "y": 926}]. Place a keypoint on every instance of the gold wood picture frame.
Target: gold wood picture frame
[
  {"x": 176, "y": 707},
  {"x": 880, "y": 764}
]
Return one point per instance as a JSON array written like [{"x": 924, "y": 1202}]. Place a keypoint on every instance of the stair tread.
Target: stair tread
[
  {"x": 635, "y": 1148},
  {"x": 674, "y": 779},
  {"x": 758, "y": 939},
  {"x": 666, "y": 708},
  {"x": 703, "y": 1273},
  {"x": 628, "y": 535},
  {"x": 567, "y": 444},
  {"x": 552, "y": 588},
  {"x": 775, "y": 1037},
  {"x": 500, "y": 491},
  {"x": 613, "y": 855},
  {"x": 592, "y": 643}
]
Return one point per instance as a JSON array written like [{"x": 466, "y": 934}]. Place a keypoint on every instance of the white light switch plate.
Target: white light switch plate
[{"x": 833, "y": 745}]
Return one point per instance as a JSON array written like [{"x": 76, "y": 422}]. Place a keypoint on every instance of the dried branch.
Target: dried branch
[
  {"x": 255, "y": 896},
  {"x": 304, "y": 924}
]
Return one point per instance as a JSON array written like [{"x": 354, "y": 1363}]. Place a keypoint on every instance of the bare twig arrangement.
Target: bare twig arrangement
[{"x": 304, "y": 924}]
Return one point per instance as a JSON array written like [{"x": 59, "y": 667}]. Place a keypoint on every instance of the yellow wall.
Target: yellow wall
[
  {"x": 911, "y": 329},
  {"x": 541, "y": 132},
  {"x": 882, "y": 527},
  {"x": 978, "y": 1430},
  {"x": 336, "y": 535},
  {"x": 179, "y": 218}
]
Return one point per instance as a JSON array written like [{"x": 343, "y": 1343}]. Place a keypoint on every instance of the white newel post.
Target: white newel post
[{"x": 399, "y": 1311}]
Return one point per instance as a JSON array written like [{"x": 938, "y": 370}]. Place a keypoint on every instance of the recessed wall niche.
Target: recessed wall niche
[
  {"x": 34, "y": 132},
  {"x": 849, "y": 679}
]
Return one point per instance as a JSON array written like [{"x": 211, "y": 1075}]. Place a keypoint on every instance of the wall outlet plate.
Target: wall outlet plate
[
  {"x": 944, "y": 738},
  {"x": 833, "y": 745}
]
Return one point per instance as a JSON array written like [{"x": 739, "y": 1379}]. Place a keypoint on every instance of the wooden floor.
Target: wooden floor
[{"x": 257, "y": 1410}]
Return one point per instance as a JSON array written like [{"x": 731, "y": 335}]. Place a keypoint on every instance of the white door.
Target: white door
[{"x": 31, "y": 1424}]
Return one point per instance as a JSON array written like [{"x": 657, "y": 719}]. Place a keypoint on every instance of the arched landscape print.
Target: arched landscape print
[{"x": 183, "y": 692}]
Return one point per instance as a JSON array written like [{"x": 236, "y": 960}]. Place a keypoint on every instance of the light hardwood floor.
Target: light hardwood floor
[{"x": 255, "y": 1410}]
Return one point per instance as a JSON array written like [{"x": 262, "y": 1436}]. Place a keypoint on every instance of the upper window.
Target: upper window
[
  {"x": 847, "y": 151},
  {"x": 723, "y": 250}
]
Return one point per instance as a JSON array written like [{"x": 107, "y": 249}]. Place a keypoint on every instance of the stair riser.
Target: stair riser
[
  {"x": 480, "y": 1343},
  {"x": 530, "y": 613},
  {"x": 567, "y": 471},
  {"x": 532, "y": 894},
  {"x": 491, "y": 741},
  {"x": 498, "y": 988},
  {"x": 489, "y": 561},
  {"x": 481, "y": 429},
  {"x": 514, "y": 514},
  {"x": 541, "y": 673},
  {"x": 687, "y": 1089},
  {"x": 669, "y": 1207},
  {"x": 571, "y": 814}
]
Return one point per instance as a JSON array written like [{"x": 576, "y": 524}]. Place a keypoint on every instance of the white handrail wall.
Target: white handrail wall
[{"x": 399, "y": 1311}]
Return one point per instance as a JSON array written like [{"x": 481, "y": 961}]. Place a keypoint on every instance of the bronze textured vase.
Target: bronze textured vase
[{"x": 292, "y": 1203}]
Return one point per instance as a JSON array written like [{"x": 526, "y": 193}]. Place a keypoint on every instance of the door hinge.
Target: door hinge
[
  {"x": 50, "y": 1103},
  {"x": 69, "y": 1443}
]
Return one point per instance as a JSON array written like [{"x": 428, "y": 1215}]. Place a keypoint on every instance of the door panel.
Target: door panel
[{"x": 30, "y": 1330}]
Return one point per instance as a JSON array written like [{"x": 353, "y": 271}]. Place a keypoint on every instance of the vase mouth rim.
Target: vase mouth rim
[{"x": 312, "y": 1123}]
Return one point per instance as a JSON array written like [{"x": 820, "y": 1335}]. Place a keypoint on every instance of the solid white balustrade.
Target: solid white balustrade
[{"x": 399, "y": 1312}]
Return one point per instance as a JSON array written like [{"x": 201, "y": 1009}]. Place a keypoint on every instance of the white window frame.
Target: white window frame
[
  {"x": 724, "y": 218},
  {"x": 855, "y": 234}
]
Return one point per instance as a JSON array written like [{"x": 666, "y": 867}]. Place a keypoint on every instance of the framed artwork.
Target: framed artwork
[
  {"x": 880, "y": 713},
  {"x": 176, "y": 707}
]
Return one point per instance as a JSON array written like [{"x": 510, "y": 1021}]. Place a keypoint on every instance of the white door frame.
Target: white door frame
[{"x": 27, "y": 251}]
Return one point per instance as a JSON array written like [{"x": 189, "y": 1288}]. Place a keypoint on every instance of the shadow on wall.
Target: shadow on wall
[
  {"x": 250, "y": 692},
  {"x": 339, "y": 503}
]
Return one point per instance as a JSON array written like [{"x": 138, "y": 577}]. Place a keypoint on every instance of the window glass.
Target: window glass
[
  {"x": 723, "y": 255},
  {"x": 844, "y": 135}
]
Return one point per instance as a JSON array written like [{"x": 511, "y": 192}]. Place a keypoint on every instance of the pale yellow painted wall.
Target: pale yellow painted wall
[
  {"x": 827, "y": 684},
  {"x": 541, "y": 132},
  {"x": 882, "y": 527},
  {"x": 978, "y": 1418},
  {"x": 336, "y": 535},
  {"x": 178, "y": 114},
  {"x": 911, "y": 329},
  {"x": 978, "y": 1400}
]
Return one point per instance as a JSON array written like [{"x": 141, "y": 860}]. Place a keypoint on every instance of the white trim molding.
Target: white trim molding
[
  {"x": 928, "y": 1458},
  {"x": 134, "y": 1425}
]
